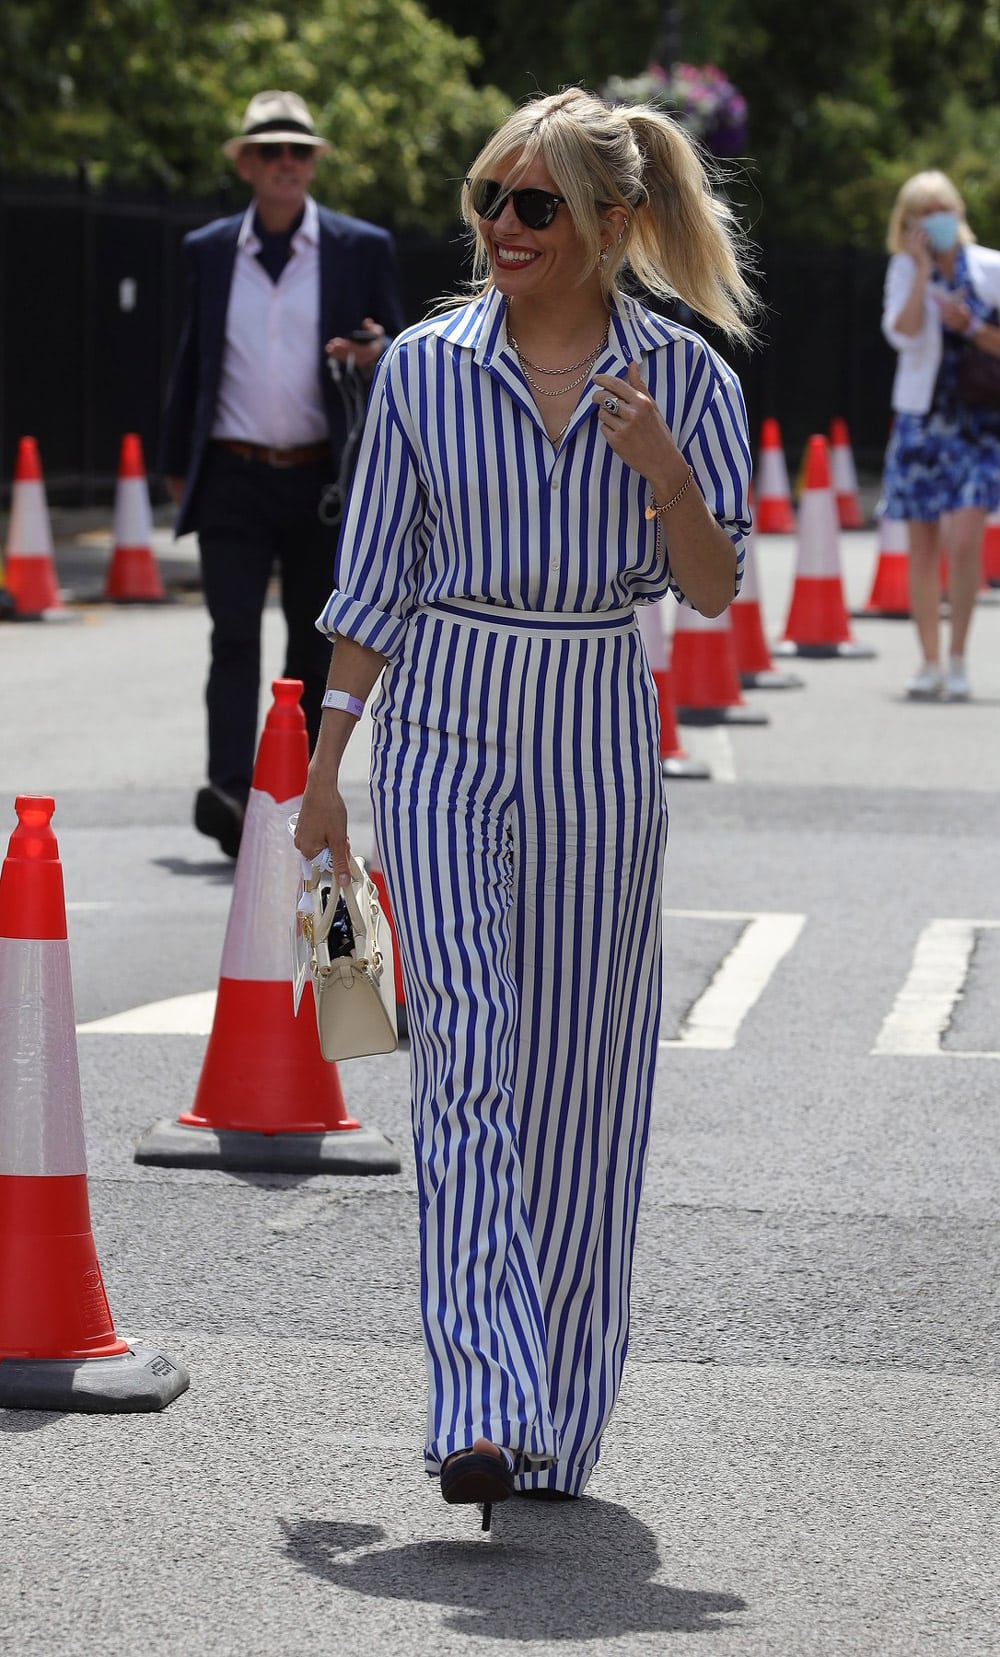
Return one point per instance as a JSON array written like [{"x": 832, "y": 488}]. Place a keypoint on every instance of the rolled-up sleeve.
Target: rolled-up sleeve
[
  {"x": 715, "y": 443},
  {"x": 382, "y": 541},
  {"x": 899, "y": 278}
]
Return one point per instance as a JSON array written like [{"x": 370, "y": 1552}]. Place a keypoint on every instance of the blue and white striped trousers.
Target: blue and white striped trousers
[{"x": 521, "y": 826}]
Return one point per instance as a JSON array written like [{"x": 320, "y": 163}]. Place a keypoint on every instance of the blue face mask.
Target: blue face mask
[{"x": 942, "y": 230}]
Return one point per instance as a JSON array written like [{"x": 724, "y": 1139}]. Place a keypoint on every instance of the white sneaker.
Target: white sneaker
[
  {"x": 926, "y": 684},
  {"x": 956, "y": 684}
]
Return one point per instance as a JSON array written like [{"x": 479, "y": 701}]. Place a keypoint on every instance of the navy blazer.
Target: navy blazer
[{"x": 358, "y": 278}]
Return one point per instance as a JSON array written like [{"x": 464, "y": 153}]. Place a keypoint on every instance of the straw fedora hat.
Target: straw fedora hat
[{"x": 273, "y": 117}]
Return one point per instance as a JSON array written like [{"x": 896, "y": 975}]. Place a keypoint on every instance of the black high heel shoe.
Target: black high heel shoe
[{"x": 476, "y": 1476}]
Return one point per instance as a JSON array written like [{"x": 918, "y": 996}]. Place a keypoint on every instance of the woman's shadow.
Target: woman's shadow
[{"x": 579, "y": 1571}]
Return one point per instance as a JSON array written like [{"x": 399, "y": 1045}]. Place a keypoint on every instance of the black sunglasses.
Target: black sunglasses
[
  {"x": 274, "y": 152},
  {"x": 534, "y": 208}
]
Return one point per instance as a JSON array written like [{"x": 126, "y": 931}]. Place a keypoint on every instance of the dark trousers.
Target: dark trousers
[{"x": 252, "y": 517}]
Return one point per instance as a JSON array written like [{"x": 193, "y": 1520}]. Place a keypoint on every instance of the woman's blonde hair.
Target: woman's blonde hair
[
  {"x": 680, "y": 240},
  {"x": 919, "y": 195}
]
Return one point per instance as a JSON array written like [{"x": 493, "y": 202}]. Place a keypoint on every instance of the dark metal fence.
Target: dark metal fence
[{"x": 91, "y": 300}]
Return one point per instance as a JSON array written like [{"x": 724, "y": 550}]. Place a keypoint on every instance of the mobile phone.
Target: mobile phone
[{"x": 363, "y": 336}]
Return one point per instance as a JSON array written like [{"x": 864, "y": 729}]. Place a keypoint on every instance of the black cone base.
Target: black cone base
[
  {"x": 347, "y": 1151},
  {"x": 738, "y": 714},
  {"x": 824, "y": 652},
  {"x": 136, "y": 1380}
]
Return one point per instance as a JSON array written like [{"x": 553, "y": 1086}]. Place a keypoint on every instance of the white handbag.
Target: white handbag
[{"x": 355, "y": 993}]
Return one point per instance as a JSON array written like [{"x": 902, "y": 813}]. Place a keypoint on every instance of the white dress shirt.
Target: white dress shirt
[
  {"x": 920, "y": 353},
  {"x": 269, "y": 388}
]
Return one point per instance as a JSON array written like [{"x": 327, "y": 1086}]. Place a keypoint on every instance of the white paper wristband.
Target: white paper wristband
[{"x": 344, "y": 700}]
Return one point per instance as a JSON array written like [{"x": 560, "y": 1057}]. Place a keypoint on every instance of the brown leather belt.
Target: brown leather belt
[{"x": 308, "y": 454}]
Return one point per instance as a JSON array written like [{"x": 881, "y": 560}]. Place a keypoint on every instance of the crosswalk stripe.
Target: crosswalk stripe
[{"x": 740, "y": 980}]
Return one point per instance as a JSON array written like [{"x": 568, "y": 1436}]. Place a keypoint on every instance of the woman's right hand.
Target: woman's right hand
[
  {"x": 915, "y": 242},
  {"x": 322, "y": 822}
]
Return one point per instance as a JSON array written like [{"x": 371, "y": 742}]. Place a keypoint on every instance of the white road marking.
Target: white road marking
[
  {"x": 77, "y": 907},
  {"x": 182, "y": 1015},
  {"x": 924, "y": 1007},
  {"x": 740, "y": 980}
]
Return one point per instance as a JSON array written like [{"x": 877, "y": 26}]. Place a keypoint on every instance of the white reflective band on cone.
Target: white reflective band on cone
[
  {"x": 819, "y": 535},
  {"x": 842, "y": 474},
  {"x": 264, "y": 893},
  {"x": 133, "y": 524},
  {"x": 749, "y": 592},
  {"x": 894, "y": 536},
  {"x": 771, "y": 479},
  {"x": 29, "y": 533},
  {"x": 41, "y": 1116},
  {"x": 692, "y": 621}
]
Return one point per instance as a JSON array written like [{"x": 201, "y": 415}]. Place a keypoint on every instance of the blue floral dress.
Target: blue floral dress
[{"x": 949, "y": 457}]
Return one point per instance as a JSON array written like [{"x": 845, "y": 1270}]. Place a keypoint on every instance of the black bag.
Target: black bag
[{"x": 977, "y": 378}]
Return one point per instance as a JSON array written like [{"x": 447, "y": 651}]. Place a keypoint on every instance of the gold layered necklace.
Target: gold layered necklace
[{"x": 586, "y": 363}]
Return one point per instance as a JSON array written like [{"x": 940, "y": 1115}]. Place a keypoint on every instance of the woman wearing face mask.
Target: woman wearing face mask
[{"x": 941, "y": 291}]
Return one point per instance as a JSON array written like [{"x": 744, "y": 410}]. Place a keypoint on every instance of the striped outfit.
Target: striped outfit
[{"x": 521, "y": 827}]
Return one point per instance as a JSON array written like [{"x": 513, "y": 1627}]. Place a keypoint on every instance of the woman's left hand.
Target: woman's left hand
[
  {"x": 636, "y": 429},
  {"x": 955, "y": 314}
]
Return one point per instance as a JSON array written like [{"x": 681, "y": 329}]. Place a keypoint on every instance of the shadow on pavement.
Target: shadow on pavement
[
  {"x": 220, "y": 869},
  {"x": 579, "y": 1573},
  {"x": 28, "y": 1421}
]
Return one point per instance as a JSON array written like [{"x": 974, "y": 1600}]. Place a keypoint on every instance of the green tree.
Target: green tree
[{"x": 149, "y": 89}]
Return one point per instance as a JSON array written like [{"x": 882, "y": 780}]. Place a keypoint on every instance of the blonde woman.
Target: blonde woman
[
  {"x": 943, "y": 459},
  {"x": 536, "y": 463}
]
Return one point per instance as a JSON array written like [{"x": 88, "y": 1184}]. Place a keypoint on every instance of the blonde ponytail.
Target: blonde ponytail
[{"x": 684, "y": 240}]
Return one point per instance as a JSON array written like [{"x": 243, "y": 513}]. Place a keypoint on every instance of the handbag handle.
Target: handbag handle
[{"x": 359, "y": 876}]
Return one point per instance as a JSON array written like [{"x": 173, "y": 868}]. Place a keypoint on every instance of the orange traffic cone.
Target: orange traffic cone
[
  {"x": 817, "y": 623},
  {"x": 844, "y": 477},
  {"x": 266, "y": 1099},
  {"x": 674, "y": 759},
  {"x": 133, "y": 576},
  {"x": 375, "y": 870},
  {"x": 753, "y": 657},
  {"x": 706, "y": 678},
  {"x": 58, "y": 1346},
  {"x": 991, "y": 550},
  {"x": 773, "y": 514},
  {"x": 30, "y": 562},
  {"x": 890, "y": 594}
]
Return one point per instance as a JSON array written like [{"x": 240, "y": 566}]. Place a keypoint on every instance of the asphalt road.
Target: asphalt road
[{"x": 805, "y": 1457}]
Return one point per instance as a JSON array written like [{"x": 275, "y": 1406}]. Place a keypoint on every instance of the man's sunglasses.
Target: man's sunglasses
[
  {"x": 274, "y": 152},
  {"x": 534, "y": 208}
]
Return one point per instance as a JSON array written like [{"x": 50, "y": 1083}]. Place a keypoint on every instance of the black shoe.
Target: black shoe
[
  {"x": 476, "y": 1476},
  {"x": 220, "y": 817},
  {"x": 544, "y": 1494}
]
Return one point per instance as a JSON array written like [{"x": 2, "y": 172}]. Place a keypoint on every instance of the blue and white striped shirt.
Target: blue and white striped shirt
[{"x": 459, "y": 493}]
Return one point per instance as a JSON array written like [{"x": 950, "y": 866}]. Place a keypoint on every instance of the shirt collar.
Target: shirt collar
[
  {"x": 308, "y": 231},
  {"x": 482, "y": 328}
]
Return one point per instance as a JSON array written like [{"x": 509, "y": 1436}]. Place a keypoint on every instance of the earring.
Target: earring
[{"x": 604, "y": 255}]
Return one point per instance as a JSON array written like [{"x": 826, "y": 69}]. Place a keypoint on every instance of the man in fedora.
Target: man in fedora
[{"x": 255, "y": 425}]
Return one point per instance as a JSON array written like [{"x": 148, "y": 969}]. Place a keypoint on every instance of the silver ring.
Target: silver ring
[{"x": 611, "y": 404}]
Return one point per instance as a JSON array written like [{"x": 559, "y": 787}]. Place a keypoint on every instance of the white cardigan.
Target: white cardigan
[{"x": 920, "y": 354}]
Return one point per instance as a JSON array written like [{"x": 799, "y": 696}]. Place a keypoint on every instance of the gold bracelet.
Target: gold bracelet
[{"x": 654, "y": 511}]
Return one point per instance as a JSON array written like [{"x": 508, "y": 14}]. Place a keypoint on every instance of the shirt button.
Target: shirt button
[
  {"x": 553, "y": 563},
  {"x": 555, "y": 483}
]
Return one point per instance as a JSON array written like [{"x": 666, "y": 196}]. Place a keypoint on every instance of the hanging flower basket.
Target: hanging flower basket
[{"x": 700, "y": 97}]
